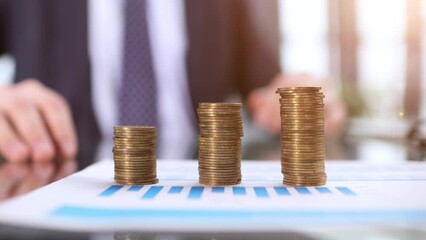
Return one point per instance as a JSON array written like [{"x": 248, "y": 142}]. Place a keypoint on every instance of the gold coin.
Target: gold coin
[
  {"x": 220, "y": 105},
  {"x": 220, "y": 176},
  {"x": 225, "y": 113},
  {"x": 137, "y": 128},
  {"x": 211, "y": 153},
  {"x": 218, "y": 166},
  {"x": 219, "y": 183},
  {"x": 220, "y": 143},
  {"x": 304, "y": 89},
  {"x": 302, "y": 136},
  {"x": 135, "y": 183},
  {"x": 134, "y": 154}
]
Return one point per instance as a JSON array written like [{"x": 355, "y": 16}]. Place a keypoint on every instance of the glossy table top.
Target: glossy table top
[{"x": 17, "y": 179}]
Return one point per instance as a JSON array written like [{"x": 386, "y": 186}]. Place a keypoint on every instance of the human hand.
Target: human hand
[
  {"x": 19, "y": 178},
  {"x": 265, "y": 107},
  {"x": 35, "y": 124}
]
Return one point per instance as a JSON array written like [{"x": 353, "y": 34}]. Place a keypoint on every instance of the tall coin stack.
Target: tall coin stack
[
  {"x": 221, "y": 130},
  {"x": 302, "y": 136},
  {"x": 135, "y": 155}
]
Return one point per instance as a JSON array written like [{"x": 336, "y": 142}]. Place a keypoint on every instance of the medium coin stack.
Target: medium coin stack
[
  {"x": 221, "y": 130},
  {"x": 302, "y": 136},
  {"x": 135, "y": 155}
]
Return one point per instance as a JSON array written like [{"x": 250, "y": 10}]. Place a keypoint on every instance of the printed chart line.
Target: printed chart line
[{"x": 196, "y": 192}]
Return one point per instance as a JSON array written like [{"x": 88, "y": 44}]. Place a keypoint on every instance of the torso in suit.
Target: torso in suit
[{"x": 233, "y": 47}]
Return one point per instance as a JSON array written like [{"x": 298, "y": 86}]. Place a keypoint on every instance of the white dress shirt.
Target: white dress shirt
[{"x": 167, "y": 30}]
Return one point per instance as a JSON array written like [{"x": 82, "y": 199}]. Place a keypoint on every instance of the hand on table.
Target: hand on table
[
  {"x": 35, "y": 124},
  {"x": 20, "y": 178},
  {"x": 265, "y": 107}
]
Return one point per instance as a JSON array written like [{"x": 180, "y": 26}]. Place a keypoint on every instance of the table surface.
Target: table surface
[{"x": 373, "y": 150}]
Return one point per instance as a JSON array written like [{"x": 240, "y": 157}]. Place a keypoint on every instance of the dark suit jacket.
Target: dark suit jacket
[{"x": 233, "y": 47}]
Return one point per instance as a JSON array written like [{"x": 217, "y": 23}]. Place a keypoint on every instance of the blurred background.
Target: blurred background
[{"x": 375, "y": 53}]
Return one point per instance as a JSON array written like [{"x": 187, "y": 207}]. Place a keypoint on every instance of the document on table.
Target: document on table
[{"x": 356, "y": 194}]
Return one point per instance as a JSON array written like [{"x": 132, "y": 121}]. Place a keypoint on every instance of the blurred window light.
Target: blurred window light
[
  {"x": 382, "y": 48},
  {"x": 304, "y": 29},
  {"x": 7, "y": 69}
]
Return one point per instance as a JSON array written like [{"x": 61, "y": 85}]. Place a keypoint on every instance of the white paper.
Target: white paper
[{"x": 356, "y": 194}]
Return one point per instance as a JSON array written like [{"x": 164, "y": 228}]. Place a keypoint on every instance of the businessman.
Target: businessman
[{"x": 84, "y": 66}]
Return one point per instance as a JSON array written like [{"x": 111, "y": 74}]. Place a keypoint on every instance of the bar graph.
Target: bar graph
[
  {"x": 196, "y": 192},
  {"x": 323, "y": 190},
  {"x": 260, "y": 202},
  {"x": 261, "y": 192},
  {"x": 303, "y": 190},
  {"x": 111, "y": 191},
  {"x": 218, "y": 190},
  {"x": 239, "y": 191},
  {"x": 134, "y": 188},
  {"x": 346, "y": 191},
  {"x": 175, "y": 190},
  {"x": 282, "y": 191},
  {"x": 152, "y": 192}
]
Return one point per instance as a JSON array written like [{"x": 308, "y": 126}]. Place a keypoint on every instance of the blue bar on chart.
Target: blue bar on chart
[
  {"x": 134, "y": 188},
  {"x": 218, "y": 189},
  {"x": 152, "y": 192},
  {"x": 239, "y": 191},
  {"x": 195, "y": 192},
  {"x": 324, "y": 190},
  {"x": 175, "y": 190},
  {"x": 261, "y": 192},
  {"x": 282, "y": 191},
  {"x": 303, "y": 190},
  {"x": 110, "y": 191},
  {"x": 346, "y": 191}
]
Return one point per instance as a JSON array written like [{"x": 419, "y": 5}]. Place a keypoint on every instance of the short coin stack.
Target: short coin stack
[
  {"x": 221, "y": 130},
  {"x": 302, "y": 136},
  {"x": 135, "y": 155}
]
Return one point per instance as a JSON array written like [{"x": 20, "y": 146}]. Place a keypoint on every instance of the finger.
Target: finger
[
  {"x": 262, "y": 119},
  {"x": 11, "y": 146},
  {"x": 336, "y": 114},
  {"x": 267, "y": 115},
  {"x": 10, "y": 176},
  {"x": 254, "y": 99},
  {"x": 276, "y": 125},
  {"x": 58, "y": 117},
  {"x": 29, "y": 124}
]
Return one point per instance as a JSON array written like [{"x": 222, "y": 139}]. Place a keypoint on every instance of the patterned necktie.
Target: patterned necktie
[{"x": 137, "y": 97}]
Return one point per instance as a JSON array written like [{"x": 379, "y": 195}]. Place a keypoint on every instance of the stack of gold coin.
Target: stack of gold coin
[
  {"x": 302, "y": 136},
  {"x": 221, "y": 130},
  {"x": 135, "y": 155}
]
